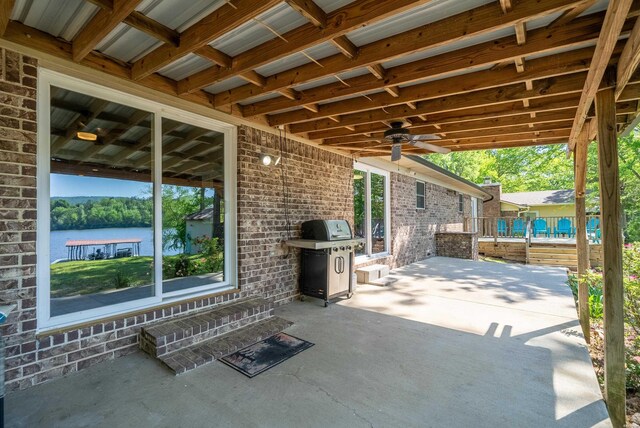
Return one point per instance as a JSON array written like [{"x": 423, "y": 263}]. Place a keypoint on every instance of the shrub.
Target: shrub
[
  {"x": 182, "y": 265},
  {"x": 594, "y": 283},
  {"x": 121, "y": 280}
]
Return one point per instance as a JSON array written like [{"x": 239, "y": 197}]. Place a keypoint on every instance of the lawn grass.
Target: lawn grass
[{"x": 92, "y": 276}]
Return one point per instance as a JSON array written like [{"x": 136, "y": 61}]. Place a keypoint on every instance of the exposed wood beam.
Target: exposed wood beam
[
  {"x": 100, "y": 26},
  {"x": 339, "y": 22},
  {"x": 505, "y": 5},
  {"x": 629, "y": 59},
  {"x": 289, "y": 93},
  {"x": 310, "y": 10},
  {"x": 214, "y": 55},
  {"x": 614, "y": 19},
  {"x": 34, "y": 39},
  {"x": 346, "y": 46},
  {"x": 459, "y": 131},
  {"x": 541, "y": 68},
  {"x": 153, "y": 28},
  {"x": 311, "y": 107},
  {"x": 394, "y": 91},
  {"x": 521, "y": 33},
  {"x": 540, "y": 40},
  {"x": 377, "y": 70},
  {"x": 219, "y": 22},
  {"x": 6, "y": 7},
  {"x": 253, "y": 77},
  {"x": 573, "y": 13},
  {"x": 542, "y": 89},
  {"x": 613, "y": 289},
  {"x": 553, "y": 109},
  {"x": 465, "y": 25}
]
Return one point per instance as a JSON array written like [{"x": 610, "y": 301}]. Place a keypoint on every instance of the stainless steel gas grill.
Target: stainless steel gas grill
[{"x": 326, "y": 258}]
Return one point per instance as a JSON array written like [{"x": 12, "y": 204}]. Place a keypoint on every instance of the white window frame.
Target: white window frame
[
  {"x": 424, "y": 195},
  {"x": 48, "y": 78},
  {"x": 367, "y": 211}
]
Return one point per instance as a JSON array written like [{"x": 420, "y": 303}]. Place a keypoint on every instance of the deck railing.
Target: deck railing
[{"x": 528, "y": 228}]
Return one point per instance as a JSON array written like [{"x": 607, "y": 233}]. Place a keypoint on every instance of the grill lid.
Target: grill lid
[{"x": 326, "y": 230}]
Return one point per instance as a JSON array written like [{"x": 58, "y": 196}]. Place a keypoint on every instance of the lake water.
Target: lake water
[{"x": 59, "y": 239}]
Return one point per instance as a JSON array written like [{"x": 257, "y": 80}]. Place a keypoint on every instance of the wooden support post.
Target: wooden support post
[
  {"x": 495, "y": 232},
  {"x": 582, "y": 241},
  {"x": 614, "y": 369}
]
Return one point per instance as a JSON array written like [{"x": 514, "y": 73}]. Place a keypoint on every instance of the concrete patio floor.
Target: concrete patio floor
[{"x": 451, "y": 343}]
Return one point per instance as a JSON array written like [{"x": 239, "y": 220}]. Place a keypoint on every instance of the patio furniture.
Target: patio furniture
[
  {"x": 540, "y": 226},
  {"x": 518, "y": 227},
  {"x": 593, "y": 229},
  {"x": 502, "y": 227},
  {"x": 564, "y": 228}
]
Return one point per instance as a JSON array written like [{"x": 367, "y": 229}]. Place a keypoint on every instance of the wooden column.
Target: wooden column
[
  {"x": 614, "y": 370},
  {"x": 582, "y": 242}
]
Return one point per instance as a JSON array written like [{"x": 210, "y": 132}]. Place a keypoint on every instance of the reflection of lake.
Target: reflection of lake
[{"x": 60, "y": 237}]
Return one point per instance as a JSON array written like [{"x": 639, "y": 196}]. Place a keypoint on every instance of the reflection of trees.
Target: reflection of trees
[
  {"x": 376, "y": 204},
  {"x": 177, "y": 203},
  {"x": 101, "y": 213},
  {"x": 359, "y": 194}
]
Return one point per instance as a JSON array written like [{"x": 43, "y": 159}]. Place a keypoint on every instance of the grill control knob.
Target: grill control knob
[
  {"x": 335, "y": 249},
  {"x": 342, "y": 248},
  {"x": 349, "y": 247}
]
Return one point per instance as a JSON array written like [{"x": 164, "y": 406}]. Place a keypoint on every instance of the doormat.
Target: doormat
[{"x": 261, "y": 356}]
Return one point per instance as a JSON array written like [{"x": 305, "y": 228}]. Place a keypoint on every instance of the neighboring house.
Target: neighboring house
[{"x": 543, "y": 203}]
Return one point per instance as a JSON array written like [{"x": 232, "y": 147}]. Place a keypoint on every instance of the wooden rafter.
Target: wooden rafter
[
  {"x": 541, "y": 68},
  {"x": 615, "y": 17},
  {"x": 339, "y": 22},
  {"x": 541, "y": 89},
  {"x": 573, "y": 13},
  {"x": 100, "y": 26},
  {"x": 465, "y": 25},
  {"x": 219, "y": 22},
  {"x": 540, "y": 40},
  {"x": 345, "y": 46},
  {"x": 310, "y": 10}
]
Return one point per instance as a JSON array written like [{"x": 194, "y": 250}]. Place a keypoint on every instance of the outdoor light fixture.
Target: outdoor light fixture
[
  {"x": 357, "y": 176},
  {"x": 87, "y": 136},
  {"x": 267, "y": 160}
]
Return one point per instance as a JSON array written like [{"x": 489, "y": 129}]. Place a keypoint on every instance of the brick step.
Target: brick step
[
  {"x": 171, "y": 335},
  {"x": 199, "y": 354}
]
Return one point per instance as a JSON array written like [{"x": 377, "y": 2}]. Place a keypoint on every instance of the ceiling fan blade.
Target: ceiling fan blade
[
  {"x": 431, "y": 147},
  {"x": 420, "y": 137},
  {"x": 396, "y": 152}
]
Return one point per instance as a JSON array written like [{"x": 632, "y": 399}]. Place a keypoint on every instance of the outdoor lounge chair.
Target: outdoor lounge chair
[
  {"x": 502, "y": 227},
  {"x": 518, "y": 227},
  {"x": 564, "y": 228},
  {"x": 593, "y": 229},
  {"x": 540, "y": 227}
]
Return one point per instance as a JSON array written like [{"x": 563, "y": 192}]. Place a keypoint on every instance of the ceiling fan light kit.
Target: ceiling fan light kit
[{"x": 397, "y": 135}]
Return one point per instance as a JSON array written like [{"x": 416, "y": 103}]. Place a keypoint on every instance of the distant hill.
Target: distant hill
[{"x": 75, "y": 200}]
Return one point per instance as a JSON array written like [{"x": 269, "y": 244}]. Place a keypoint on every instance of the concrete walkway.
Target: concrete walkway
[{"x": 452, "y": 343}]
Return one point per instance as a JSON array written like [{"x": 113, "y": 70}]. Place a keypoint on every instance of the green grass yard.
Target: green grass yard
[{"x": 94, "y": 276}]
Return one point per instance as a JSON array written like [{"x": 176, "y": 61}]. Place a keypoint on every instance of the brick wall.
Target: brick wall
[
  {"x": 320, "y": 187},
  {"x": 461, "y": 245},
  {"x": 18, "y": 207},
  {"x": 413, "y": 229}
]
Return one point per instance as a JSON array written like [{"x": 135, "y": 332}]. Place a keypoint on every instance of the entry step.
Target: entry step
[
  {"x": 199, "y": 354},
  {"x": 368, "y": 274},
  {"x": 177, "y": 333}
]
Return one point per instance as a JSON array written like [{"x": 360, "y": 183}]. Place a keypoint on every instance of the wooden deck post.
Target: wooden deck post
[
  {"x": 582, "y": 241},
  {"x": 614, "y": 370}
]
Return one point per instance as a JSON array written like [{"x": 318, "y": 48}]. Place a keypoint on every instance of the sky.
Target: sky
[{"x": 63, "y": 185}]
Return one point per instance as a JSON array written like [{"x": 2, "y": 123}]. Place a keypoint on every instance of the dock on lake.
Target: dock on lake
[{"x": 79, "y": 249}]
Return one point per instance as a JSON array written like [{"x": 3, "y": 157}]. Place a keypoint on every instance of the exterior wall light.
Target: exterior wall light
[{"x": 267, "y": 160}]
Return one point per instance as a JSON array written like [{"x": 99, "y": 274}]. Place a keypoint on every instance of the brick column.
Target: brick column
[{"x": 18, "y": 209}]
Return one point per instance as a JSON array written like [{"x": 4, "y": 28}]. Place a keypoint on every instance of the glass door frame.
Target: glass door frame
[
  {"x": 48, "y": 78},
  {"x": 367, "y": 211}
]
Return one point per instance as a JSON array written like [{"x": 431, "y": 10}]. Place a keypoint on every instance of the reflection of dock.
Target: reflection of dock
[{"x": 77, "y": 249}]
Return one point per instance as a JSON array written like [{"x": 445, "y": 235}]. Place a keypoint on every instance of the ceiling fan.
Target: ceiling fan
[{"x": 398, "y": 136}]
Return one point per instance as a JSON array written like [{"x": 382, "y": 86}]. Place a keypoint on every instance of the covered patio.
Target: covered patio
[{"x": 450, "y": 343}]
